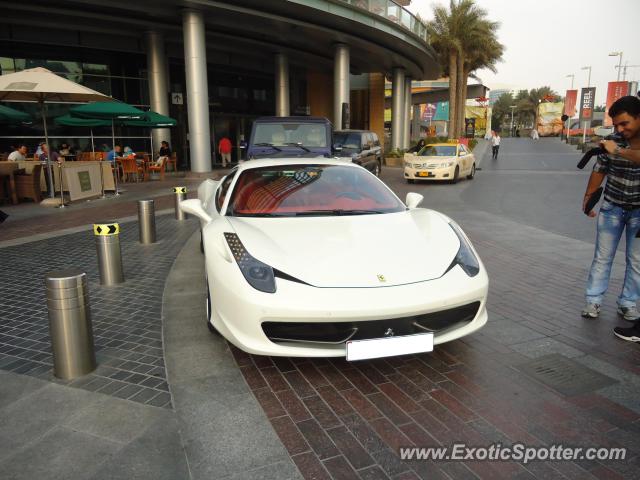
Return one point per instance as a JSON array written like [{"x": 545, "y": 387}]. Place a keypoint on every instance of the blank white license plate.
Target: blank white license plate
[{"x": 389, "y": 346}]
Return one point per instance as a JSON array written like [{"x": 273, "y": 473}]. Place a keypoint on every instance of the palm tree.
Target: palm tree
[
  {"x": 482, "y": 50},
  {"x": 527, "y": 102},
  {"x": 443, "y": 34},
  {"x": 465, "y": 41}
]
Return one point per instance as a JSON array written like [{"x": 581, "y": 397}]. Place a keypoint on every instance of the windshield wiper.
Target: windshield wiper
[
  {"x": 265, "y": 144},
  {"x": 337, "y": 212},
  {"x": 293, "y": 144}
]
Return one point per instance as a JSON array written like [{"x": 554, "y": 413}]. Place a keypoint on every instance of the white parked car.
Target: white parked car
[
  {"x": 440, "y": 161},
  {"x": 320, "y": 258}
]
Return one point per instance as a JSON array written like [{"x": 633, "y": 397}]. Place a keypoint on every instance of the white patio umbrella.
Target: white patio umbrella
[{"x": 42, "y": 86}]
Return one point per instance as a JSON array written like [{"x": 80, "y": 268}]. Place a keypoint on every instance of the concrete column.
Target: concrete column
[
  {"x": 376, "y": 105},
  {"x": 195, "y": 65},
  {"x": 415, "y": 123},
  {"x": 407, "y": 113},
  {"x": 158, "y": 77},
  {"x": 340, "y": 83},
  {"x": 282, "y": 85},
  {"x": 397, "y": 109}
]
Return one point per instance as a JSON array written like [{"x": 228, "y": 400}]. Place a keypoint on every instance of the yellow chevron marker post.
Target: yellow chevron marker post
[
  {"x": 181, "y": 194},
  {"x": 106, "y": 228},
  {"x": 107, "y": 236}
]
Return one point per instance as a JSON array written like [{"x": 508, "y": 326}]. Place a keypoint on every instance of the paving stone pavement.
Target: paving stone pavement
[
  {"x": 126, "y": 325},
  {"x": 333, "y": 419},
  {"x": 348, "y": 420}
]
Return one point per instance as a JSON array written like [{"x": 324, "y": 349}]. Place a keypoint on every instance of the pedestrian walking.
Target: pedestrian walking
[
  {"x": 224, "y": 148},
  {"x": 495, "y": 143},
  {"x": 619, "y": 212}
]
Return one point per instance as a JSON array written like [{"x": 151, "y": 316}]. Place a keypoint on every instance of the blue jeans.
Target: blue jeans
[{"x": 612, "y": 221}]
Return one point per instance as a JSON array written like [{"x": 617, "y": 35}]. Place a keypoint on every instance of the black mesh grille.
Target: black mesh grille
[{"x": 339, "y": 332}]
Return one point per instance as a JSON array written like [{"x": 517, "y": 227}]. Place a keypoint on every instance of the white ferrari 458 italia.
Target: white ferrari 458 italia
[{"x": 319, "y": 258}]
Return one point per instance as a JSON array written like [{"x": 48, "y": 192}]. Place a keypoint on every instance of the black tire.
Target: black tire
[
  {"x": 211, "y": 328},
  {"x": 473, "y": 172},
  {"x": 410, "y": 180},
  {"x": 377, "y": 169},
  {"x": 456, "y": 175}
]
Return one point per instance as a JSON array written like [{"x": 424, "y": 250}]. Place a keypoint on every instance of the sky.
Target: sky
[{"x": 546, "y": 40}]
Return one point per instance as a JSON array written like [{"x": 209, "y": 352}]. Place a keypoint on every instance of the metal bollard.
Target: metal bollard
[
  {"x": 181, "y": 194},
  {"x": 108, "y": 249},
  {"x": 70, "y": 323},
  {"x": 147, "y": 221}
]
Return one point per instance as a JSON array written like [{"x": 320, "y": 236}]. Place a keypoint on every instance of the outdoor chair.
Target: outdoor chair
[
  {"x": 173, "y": 161},
  {"x": 154, "y": 167},
  {"x": 28, "y": 186},
  {"x": 131, "y": 167}
]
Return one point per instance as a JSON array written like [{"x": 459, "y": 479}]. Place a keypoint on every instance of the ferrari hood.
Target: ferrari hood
[{"x": 352, "y": 251}]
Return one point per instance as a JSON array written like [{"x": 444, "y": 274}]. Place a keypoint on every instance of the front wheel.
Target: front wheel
[
  {"x": 377, "y": 169},
  {"x": 456, "y": 175},
  {"x": 473, "y": 172}
]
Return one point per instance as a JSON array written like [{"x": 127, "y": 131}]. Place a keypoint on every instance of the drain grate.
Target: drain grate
[{"x": 565, "y": 375}]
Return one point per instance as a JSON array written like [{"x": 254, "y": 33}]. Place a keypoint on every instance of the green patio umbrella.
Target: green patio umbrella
[
  {"x": 10, "y": 116},
  {"x": 152, "y": 120},
  {"x": 117, "y": 112}
]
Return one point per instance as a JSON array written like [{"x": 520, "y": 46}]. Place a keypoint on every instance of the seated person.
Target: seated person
[
  {"x": 115, "y": 153},
  {"x": 129, "y": 153},
  {"x": 19, "y": 154},
  {"x": 164, "y": 153},
  {"x": 53, "y": 156},
  {"x": 64, "y": 149}
]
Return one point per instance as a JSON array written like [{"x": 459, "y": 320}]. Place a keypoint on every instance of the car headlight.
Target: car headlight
[
  {"x": 465, "y": 256},
  {"x": 259, "y": 275},
  {"x": 407, "y": 164},
  {"x": 446, "y": 164}
]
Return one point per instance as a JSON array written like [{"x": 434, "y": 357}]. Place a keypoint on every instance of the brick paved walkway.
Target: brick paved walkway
[
  {"x": 28, "y": 219},
  {"x": 126, "y": 325},
  {"x": 341, "y": 420}
]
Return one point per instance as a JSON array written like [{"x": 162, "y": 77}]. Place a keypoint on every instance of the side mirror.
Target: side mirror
[
  {"x": 194, "y": 206},
  {"x": 413, "y": 200}
]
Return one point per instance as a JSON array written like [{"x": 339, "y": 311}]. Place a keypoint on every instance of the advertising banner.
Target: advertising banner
[
  {"x": 615, "y": 90},
  {"x": 442, "y": 111},
  {"x": 570, "y": 101},
  {"x": 477, "y": 117},
  {"x": 428, "y": 111},
  {"x": 587, "y": 98},
  {"x": 549, "y": 121}
]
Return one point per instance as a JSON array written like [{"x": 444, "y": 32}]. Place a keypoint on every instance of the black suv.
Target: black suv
[{"x": 362, "y": 146}]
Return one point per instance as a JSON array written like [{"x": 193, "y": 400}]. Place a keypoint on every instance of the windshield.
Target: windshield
[
  {"x": 310, "y": 190},
  {"x": 290, "y": 134},
  {"x": 438, "y": 151},
  {"x": 347, "y": 140}
]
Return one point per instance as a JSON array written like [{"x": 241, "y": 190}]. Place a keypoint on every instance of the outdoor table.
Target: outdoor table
[{"x": 9, "y": 169}]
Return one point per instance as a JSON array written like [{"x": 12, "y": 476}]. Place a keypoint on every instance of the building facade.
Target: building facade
[{"x": 215, "y": 66}]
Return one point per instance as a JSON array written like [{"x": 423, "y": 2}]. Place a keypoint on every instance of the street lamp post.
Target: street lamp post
[
  {"x": 573, "y": 77},
  {"x": 512, "y": 107},
  {"x": 617, "y": 54},
  {"x": 584, "y": 125}
]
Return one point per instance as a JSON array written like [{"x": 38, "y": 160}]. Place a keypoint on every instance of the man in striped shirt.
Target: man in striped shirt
[{"x": 620, "y": 212}]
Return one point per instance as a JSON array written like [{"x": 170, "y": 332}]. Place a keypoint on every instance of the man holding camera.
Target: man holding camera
[{"x": 620, "y": 212}]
